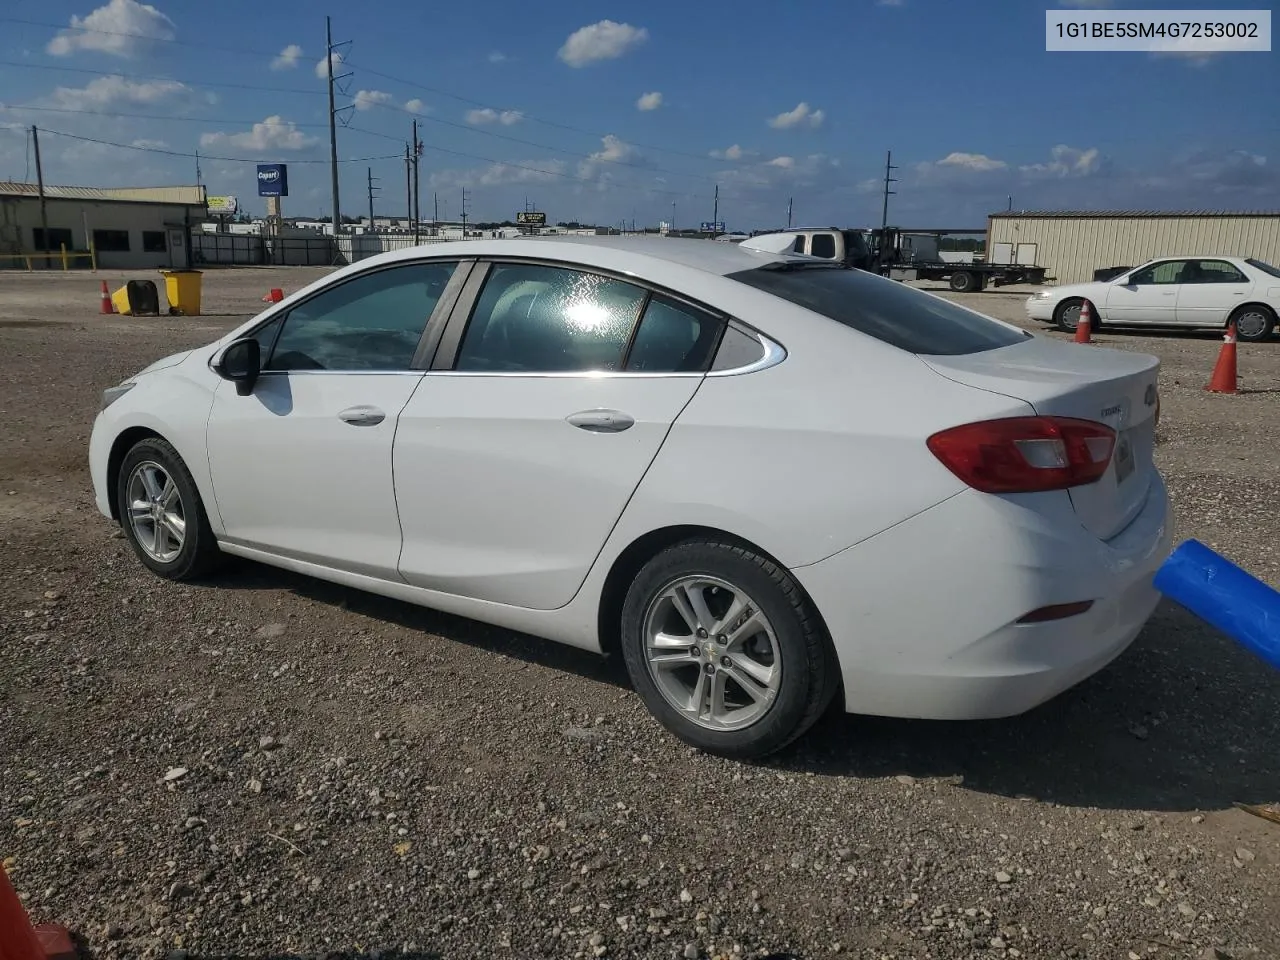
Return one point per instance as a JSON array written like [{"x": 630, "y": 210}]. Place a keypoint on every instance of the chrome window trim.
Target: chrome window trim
[{"x": 774, "y": 354}]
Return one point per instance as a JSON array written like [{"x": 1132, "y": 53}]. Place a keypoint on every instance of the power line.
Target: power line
[
  {"x": 203, "y": 156},
  {"x": 154, "y": 76}
]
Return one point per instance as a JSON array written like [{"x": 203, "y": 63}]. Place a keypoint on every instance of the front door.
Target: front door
[
  {"x": 302, "y": 466},
  {"x": 514, "y": 463},
  {"x": 1150, "y": 296},
  {"x": 1210, "y": 293}
]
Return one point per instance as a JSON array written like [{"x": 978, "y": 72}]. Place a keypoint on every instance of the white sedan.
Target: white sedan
[
  {"x": 765, "y": 480},
  {"x": 1174, "y": 292}
]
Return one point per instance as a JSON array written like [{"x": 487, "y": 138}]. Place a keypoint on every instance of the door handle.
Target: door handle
[
  {"x": 601, "y": 421},
  {"x": 362, "y": 416}
]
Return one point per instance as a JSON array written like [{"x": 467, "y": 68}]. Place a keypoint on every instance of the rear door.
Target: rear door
[
  {"x": 1208, "y": 294},
  {"x": 1150, "y": 296},
  {"x": 1107, "y": 386},
  {"x": 551, "y": 394}
]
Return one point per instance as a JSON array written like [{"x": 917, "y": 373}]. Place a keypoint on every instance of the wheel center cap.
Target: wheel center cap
[{"x": 710, "y": 650}]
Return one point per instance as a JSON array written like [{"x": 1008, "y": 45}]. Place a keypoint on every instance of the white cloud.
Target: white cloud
[
  {"x": 123, "y": 28},
  {"x": 734, "y": 152},
  {"x": 322, "y": 68},
  {"x": 368, "y": 99},
  {"x": 146, "y": 144},
  {"x": 615, "y": 152},
  {"x": 116, "y": 90},
  {"x": 287, "y": 58},
  {"x": 273, "y": 133},
  {"x": 498, "y": 174},
  {"x": 978, "y": 162},
  {"x": 1065, "y": 161},
  {"x": 507, "y": 118},
  {"x": 649, "y": 101},
  {"x": 802, "y": 115},
  {"x": 605, "y": 40},
  {"x": 785, "y": 163},
  {"x": 497, "y": 56},
  {"x": 416, "y": 106}
]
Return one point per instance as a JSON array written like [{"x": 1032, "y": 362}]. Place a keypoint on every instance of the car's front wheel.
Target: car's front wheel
[
  {"x": 1067, "y": 315},
  {"x": 161, "y": 512},
  {"x": 726, "y": 650}
]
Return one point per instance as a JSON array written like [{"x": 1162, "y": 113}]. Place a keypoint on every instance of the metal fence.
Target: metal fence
[{"x": 251, "y": 250}]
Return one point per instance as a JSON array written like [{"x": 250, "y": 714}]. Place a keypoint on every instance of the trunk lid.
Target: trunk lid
[{"x": 1114, "y": 387}]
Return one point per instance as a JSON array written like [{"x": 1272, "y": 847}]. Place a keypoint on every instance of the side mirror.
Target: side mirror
[{"x": 241, "y": 363}]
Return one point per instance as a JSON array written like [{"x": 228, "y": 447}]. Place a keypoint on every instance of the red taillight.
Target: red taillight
[{"x": 1026, "y": 454}]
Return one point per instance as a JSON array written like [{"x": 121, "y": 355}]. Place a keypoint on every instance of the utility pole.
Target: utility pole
[
  {"x": 715, "y": 212},
  {"x": 333, "y": 129},
  {"x": 417, "y": 152},
  {"x": 44, "y": 218},
  {"x": 789, "y": 201},
  {"x": 435, "y": 216},
  {"x": 408, "y": 186},
  {"x": 369, "y": 175},
  {"x": 673, "y": 217},
  {"x": 464, "y": 213},
  {"x": 197, "y": 168},
  {"x": 888, "y": 169}
]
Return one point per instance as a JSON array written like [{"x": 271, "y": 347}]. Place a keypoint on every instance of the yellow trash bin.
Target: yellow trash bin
[{"x": 182, "y": 289}]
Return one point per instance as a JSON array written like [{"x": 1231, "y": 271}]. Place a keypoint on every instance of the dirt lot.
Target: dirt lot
[{"x": 265, "y": 765}]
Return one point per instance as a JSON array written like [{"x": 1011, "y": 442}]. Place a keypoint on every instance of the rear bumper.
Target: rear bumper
[
  {"x": 1040, "y": 308},
  {"x": 923, "y": 615}
]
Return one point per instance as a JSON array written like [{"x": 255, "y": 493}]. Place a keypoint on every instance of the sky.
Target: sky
[{"x": 604, "y": 112}]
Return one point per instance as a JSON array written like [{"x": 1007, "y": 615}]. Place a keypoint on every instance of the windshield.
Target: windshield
[
  {"x": 885, "y": 309},
  {"x": 1264, "y": 267}
]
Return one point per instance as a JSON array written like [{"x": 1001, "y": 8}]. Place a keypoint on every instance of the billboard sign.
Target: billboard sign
[
  {"x": 222, "y": 206},
  {"x": 531, "y": 218},
  {"x": 273, "y": 180},
  {"x": 709, "y": 227}
]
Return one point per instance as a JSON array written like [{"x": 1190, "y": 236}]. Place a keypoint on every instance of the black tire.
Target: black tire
[
  {"x": 1067, "y": 314},
  {"x": 1259, "y": 322},
  {"x": 198, "y": 553},
  {"x": 810, "y": 673},
  {"x": 963, "y": 281}
]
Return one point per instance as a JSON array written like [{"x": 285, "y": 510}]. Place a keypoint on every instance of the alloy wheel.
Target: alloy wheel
[
  {"x": 712, "y": 653},
  {"x": 156, "y": 513}
]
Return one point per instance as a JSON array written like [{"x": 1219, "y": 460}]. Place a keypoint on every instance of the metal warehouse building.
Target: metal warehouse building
[
  {"x": 129, "y": 227},
  {"x": 1073, "y": 244}
]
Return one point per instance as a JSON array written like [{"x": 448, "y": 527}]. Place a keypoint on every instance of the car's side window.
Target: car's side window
[
  {"x": 531, "y": 318},
  {"x": 1219, "y": 271},
  {"x": 823, "y": 245},
  {"x": 1159, "y": 273},
  {"x": 672, "y": 338},
  {"x": 737, "y": 349},
  {"x": 371, "y": 322},
  {"x": 798, "y": 246}
]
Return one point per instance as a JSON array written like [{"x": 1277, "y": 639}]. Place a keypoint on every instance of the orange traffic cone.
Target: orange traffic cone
[
  {"x": 1224, "y": 378},
  {"x": 107, "y": 306},
  {"x": 21, "y": 941},
  {"x": 274, "y": 295},
  {"x": 1084, "y": 326}
]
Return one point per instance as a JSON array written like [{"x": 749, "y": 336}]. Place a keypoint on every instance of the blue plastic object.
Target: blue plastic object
[{"x": 1220, "y": 593}]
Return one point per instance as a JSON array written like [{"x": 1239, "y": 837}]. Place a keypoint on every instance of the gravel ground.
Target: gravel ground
[{"x": 265, "y": 765}]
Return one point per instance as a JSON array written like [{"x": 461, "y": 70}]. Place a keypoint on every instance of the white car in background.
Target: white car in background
[
  {"x": 765, "y": 480},
  {"x": 1173, "y": 292}
]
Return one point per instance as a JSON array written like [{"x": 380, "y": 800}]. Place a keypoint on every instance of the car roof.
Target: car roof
[{"x": 602, "y": 251}]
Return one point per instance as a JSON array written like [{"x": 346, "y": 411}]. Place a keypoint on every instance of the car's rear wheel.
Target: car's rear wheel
[
  {"x": 1254, "y": 323},
  {"x": 161, "y": 512},
  {"x": 725, "y": 649}
]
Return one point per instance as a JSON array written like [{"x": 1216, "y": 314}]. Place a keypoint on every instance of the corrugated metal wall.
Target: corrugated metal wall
[{"x": 1073, "y": 247}]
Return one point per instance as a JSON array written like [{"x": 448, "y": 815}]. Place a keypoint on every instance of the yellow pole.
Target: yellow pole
[
  {"x": 93, "y": 256},
  {"x": 64, "y": 256}
]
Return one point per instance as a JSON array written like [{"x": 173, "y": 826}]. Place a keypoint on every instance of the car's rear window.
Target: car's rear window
[
  {"x": 1264, "y": 267},
  {"x": 885, "y": 309}
]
